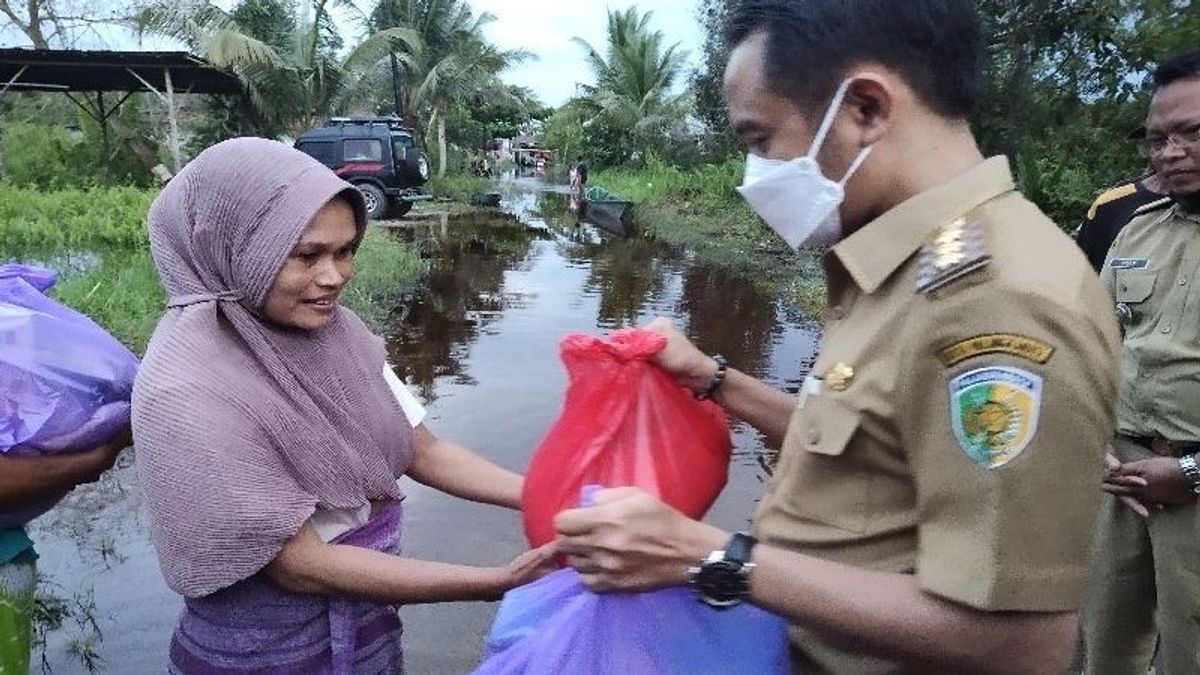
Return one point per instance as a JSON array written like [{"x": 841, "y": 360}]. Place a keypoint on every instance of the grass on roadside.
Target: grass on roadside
[{"x": 458, "y": 186}]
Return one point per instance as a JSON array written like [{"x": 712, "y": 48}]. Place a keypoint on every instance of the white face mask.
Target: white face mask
[{"x": 794, "y": 198}]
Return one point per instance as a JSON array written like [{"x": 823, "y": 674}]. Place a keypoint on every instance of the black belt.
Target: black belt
[{"x": 1165, "y": 448}]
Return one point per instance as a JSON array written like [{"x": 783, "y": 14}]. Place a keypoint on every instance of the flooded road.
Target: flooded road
[{"x": 478, "y": 343}]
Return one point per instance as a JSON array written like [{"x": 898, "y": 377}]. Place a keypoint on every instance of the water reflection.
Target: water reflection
[
  {"x": 463, "y": 293},
  {"x": 633, "y": 280},
  {"x": 732, "y": 317}
]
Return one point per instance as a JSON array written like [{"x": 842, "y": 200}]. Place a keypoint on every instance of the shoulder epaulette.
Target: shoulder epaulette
[
  {"x": 1156, "y": 205},
  {"x": 953, "y": 252},
  {"x": 1112, "y": 195}
]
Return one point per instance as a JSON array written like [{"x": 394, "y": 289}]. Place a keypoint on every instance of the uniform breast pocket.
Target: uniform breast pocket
[
  {"x": 1134, "y": 286},
  {"x": 826, "y": 481}
]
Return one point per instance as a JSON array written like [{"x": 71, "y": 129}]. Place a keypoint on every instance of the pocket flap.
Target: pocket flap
[
  {"x": 827, "y": 426},
  {"x": 1134, "y": 285}
]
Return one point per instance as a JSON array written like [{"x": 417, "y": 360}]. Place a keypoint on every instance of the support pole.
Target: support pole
[
  {"x": 103, "y": 119},
  {"x": 14, "y": 79},
  {"x": 171, "y": 116}
]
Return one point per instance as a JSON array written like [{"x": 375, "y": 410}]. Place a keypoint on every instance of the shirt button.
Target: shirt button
[
  {"x": 1124, "y": 288},
  {"x": 1166, "y": 328},
  {"x": 1183, "y": 281},
  {"x": 814, "y": 436}
]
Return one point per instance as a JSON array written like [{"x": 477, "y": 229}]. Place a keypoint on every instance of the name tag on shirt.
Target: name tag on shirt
[{"x": 1129, "y": 263}]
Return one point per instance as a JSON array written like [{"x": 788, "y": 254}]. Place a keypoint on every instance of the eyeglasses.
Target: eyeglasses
[{"x": 1182, "y": 139}]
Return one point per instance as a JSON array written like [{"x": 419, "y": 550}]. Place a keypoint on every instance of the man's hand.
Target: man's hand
[
  {"x": 31, "y": 480},
  {"x": 693, "y": 368},
  {"x": 1122, "y": 486},
  {"x": 96, "y": 461},
  {"x": 1162, "y": 482},
  {"x": 630, "y": 541}
]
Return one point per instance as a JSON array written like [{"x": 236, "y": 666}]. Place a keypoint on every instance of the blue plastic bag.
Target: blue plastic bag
[
  {"x": 556, "y": 625},
  {"x": 65, "y": 383}
]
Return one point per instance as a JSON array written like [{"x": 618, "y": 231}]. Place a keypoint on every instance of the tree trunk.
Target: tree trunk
[
  {"x": 32, "y": 29},
  {"x": 441, "y": 132}
]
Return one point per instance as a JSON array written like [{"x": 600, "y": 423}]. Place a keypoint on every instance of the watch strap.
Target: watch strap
[{"x": 740, "y": 548}]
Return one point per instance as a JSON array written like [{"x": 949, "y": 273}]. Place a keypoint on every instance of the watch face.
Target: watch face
[{"x": 721, "y": 582}]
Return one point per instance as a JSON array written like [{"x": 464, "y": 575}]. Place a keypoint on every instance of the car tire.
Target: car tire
[
  {"x": 377, "y": 201},
  {"x": 399, "y": 208}
]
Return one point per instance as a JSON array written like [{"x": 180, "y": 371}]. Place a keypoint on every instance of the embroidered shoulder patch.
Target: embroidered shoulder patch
[
  {"x": 996, "y": 343},
  {"x": 994, "y": 413},
  {"x": 955, "y": 251}
]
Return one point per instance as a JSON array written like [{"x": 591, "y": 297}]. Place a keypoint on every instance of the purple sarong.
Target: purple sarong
[{"x": 256, "y": 627}]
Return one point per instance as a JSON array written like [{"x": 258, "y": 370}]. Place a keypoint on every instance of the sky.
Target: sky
[{"x": 543, "y": 27}]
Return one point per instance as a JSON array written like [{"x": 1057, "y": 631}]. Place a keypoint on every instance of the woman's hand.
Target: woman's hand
[{"x": 527, "y": 568}]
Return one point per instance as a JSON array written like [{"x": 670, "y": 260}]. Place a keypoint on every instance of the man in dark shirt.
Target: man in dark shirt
[{"x": 1111, "y": 211}]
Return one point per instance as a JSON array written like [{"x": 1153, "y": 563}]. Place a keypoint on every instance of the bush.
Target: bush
[
  {"x": 51, "y": 157},
  {"x": 38, "y": 156}
]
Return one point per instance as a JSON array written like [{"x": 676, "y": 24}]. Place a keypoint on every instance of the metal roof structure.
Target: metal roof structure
[
  {"x": 92, "y": 71},
  {"x": 72, "y": 71}
]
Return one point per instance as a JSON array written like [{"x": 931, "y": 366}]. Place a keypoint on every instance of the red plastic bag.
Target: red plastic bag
[{"x": 625, "y": 422}]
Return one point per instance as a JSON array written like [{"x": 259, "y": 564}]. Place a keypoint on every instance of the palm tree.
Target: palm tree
[
  {"x": 456, "y": 60},
  {"x": 299, "y": 79},
  {"x": 634, "y": 77}
]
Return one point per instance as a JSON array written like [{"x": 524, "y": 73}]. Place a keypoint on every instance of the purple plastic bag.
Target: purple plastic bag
[
  {"x": 65, "y": 383},
  {"x": 556, "y": 625}
]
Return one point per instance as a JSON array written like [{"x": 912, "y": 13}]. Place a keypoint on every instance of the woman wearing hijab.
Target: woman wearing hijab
[{"x": 270, "y": 432}]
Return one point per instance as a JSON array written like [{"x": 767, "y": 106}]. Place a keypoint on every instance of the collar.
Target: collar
[
  {"x": 874, "y": 252},
  {"x": 1184, "y": 214}
]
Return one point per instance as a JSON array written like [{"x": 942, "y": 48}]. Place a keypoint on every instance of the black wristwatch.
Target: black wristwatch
[{"x": 722, "y": 580}]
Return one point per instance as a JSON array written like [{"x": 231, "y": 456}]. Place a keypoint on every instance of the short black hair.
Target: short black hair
[
  {"x": 937, "y": 46},
  {"x": 1181, "y": 67}
]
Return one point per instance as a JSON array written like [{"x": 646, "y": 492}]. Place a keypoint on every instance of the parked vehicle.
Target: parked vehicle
[{"x": 378, "y": 155}]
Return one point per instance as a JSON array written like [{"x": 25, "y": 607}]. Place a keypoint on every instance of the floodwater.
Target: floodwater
[{"x": 478, "y": 343}]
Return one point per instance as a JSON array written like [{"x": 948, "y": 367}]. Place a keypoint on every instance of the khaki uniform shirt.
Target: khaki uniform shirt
[
  {"x": 958, "y": 413},
  {"x": 1153, "y": 273}
]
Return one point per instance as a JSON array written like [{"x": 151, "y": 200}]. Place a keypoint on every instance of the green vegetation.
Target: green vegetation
[
  {"x": 121, "y": 293},
  {"x": 75, "y": 217},
  {"x": 385, "y": 271},
  {"x": 1064, "y": 90},
  {"x": 459, "y": 186}
]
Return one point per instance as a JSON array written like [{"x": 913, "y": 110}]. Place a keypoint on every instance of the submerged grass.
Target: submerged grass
[{"x": 700, "y": 210}]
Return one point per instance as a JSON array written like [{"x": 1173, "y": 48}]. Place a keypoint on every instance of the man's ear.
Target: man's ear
[{"x": 870, "y": 101}]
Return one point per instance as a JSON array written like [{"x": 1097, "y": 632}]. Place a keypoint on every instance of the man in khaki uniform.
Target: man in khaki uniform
[
  {"x": 1148, "y": 568},
  {"x": 936, "y": 495}
]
